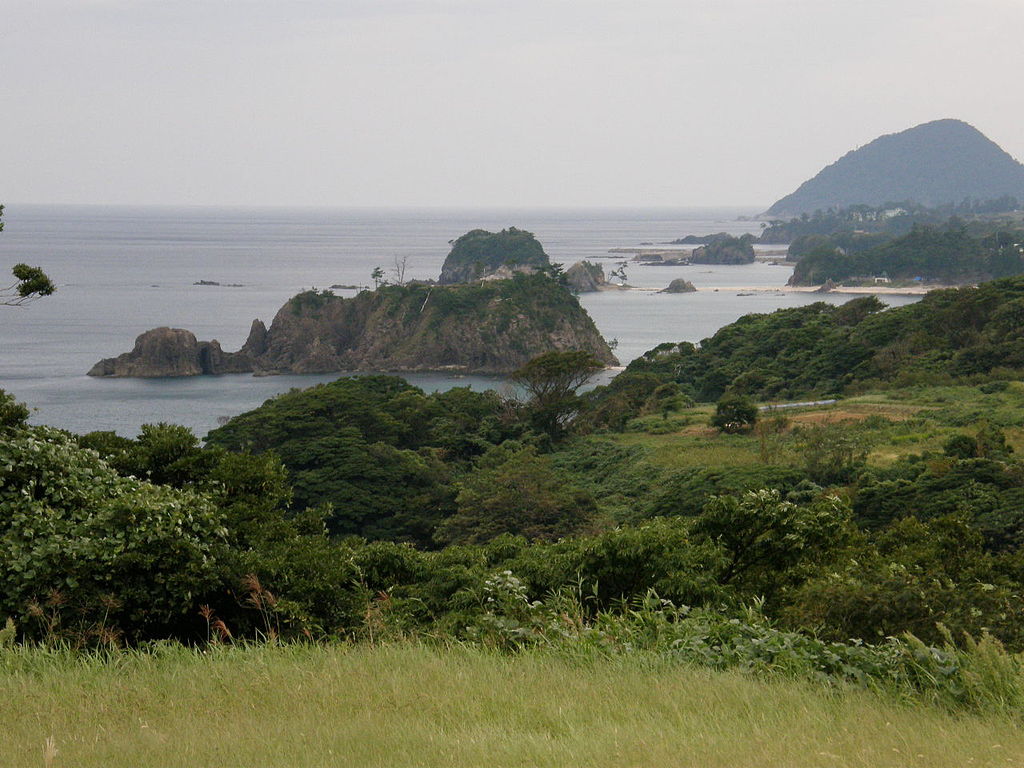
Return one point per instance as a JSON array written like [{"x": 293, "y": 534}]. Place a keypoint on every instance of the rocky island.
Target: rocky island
[
  {"x": 725, "y": 249},
  {"x": 586, "y": 277},
  {"x": 490, "y": 326}
]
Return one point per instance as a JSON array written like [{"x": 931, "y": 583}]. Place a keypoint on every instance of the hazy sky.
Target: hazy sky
[{"x": 482, "y": 102}]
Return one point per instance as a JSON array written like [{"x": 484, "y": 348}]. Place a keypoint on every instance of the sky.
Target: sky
[{"x": 517, "y": 103}]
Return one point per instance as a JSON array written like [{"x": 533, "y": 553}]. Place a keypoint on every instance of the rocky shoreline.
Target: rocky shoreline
[{"x": 492, "y": 327}]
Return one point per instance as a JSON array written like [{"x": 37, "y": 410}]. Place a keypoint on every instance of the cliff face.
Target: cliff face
[
  {"x": 489, "y": 327},
  {"x": 176, "y": 352},
  {"x": 585, "y": 277}
]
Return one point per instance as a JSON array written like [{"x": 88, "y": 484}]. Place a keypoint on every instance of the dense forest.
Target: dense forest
[
  {"x": 948, "y": 254},
  {"x": 888, "y": 220},
  {"x": 822, "y": 349}
]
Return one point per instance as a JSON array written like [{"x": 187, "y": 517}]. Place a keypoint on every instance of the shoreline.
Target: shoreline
[{"x": 863, "y": 290}]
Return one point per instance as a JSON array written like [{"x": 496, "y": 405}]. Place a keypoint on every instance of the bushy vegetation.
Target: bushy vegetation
[
  {"x": 935, "y": 255},
  {"x": 822, "y": 349},
  {"x": 875, "y": 542},
  {"x": 479, "y": 253},
  {"x": 216, "y": 543}
]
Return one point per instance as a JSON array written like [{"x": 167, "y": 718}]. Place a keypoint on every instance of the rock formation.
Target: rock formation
[
  {"x": 488, "y": 327},
  {"x": 480, "y": 254},
  {"x": 725, "y": 249},
  {"x": 176, "y": 352},
  {"x": 679, "y": 285},
  {"x": 585, "y": 277}
]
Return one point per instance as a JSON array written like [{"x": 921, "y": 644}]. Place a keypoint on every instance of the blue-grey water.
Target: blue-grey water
[{"x": 121, "y": 271}]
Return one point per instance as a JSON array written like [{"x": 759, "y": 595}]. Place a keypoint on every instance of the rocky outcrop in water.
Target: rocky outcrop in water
[
  {"x": 489, "y": 327},
  {"x": 585, "y": 277},
  {"x": 176, "y": 352},
  {"x": 725, "y": 249},
  {"x": 679, "y": 285}
]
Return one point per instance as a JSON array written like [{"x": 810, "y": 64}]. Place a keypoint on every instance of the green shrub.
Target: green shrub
[
  {"x": 734, "y": 414},
  {"x": 89, "y": 551}
]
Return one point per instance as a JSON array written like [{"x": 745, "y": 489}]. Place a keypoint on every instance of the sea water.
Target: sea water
[{"x": 121, "y": 271}]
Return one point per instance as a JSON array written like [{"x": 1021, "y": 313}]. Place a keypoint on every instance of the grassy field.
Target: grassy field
[
  {"x": 893, "y": 423},
  {"x": 409, "y": 705}
]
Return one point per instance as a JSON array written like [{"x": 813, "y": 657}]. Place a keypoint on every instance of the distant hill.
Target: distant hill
[{"x": 935, "y": 163}]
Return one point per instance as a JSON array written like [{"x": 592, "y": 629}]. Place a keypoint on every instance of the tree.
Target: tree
[
  {"x": 734, "y": 414},
  {"x": 619, "y": 273},
  {"x": 513, "y": 490},
  {"x": 552, "y": 379},
  {"x": 398, "y": 269},
  {"x": 31, "y": 282},
  {"x": 768, "y": 540},
  {"x": 377, "y": 276}
]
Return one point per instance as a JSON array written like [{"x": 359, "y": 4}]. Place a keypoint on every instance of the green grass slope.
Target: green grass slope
[{"x": 410, "y": 705}]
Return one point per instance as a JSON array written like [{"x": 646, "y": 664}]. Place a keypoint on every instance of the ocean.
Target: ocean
[{"x": 121, "y": 271}]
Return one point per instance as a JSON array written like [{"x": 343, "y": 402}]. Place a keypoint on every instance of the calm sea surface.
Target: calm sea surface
[{"x": 122, "y": 271}]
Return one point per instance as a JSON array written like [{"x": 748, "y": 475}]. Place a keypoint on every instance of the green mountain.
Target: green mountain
[{"x": 935, "y": 163}]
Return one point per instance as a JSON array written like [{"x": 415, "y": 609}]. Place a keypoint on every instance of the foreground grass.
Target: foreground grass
[{"x": 410, "y": 705}]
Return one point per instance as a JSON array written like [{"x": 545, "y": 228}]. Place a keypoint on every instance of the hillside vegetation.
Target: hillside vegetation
[
  {"x": 479, "y": 254},
  {"x": 823, "y": 349},
  {"x": 947, "y": 255}
]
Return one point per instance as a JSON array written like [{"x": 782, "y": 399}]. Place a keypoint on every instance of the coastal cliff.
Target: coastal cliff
[
  {"x": 489, "y": 327},
  {"x": 585, "y": 277}
]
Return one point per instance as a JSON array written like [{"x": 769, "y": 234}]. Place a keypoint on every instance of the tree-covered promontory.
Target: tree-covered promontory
[
  {"x": 491, "y": 326},
  {"x": 823, "y": 349},
  {"x": 724, "y": 249},
  {"x": 479, "y": 254}
]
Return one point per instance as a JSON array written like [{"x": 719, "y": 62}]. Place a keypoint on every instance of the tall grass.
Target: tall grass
[{"x": 414, "y": 705}]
